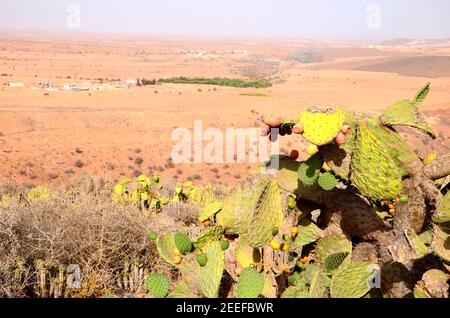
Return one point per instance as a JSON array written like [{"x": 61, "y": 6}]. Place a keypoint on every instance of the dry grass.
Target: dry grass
[{"x": 80, "y": 225}]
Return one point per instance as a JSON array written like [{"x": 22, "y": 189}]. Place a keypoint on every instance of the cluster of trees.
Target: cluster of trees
[{"x": 219, "y": 81}]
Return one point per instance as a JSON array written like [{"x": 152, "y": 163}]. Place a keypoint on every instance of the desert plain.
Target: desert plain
[{"x": 49, "y": 136}]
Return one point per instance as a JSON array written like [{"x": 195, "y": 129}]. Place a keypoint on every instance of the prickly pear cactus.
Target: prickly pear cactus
[
  {"x": 442, "y": 213},
  {"x": 406, "y": 113},
  {"x": 321, "y": 128},
  {"x": 396, "y": 146},
  {"x": 209, "y": 211},
  {"x": 250, "y": 284},
  {"x": 158, "y": 285},
  {"x": 353, "y": 281},
  {"x": 439, "y": 244},
  {"x": 246, "y": 255},
  {"x": 167, "y": 249},
  {"x": 307, "y": 232},
  {"x": 183, "y": 243},
  {"x": 330, "y": 245},
  {"x": 328, "y": 181},
  {"x": 238, "y": 208},
  {"x": 210, "y": 275},
  {"x": 309, "y": 171},
  {"x": 268, "y": 216},
  {"x": 212, "y": 234},
  {"x": 419, "y": 247},
  {"x": 333, "y": 261},
  {"x": 374, "y": 172}
]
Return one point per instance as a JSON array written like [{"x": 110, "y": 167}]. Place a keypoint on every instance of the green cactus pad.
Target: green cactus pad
[
  {"x": 353, "y": 281},
  {"x": 374, "y": 172},
  {"x": 307, "y": 232},
  {"x": 209, "y": 211},
  {"x": 166, "y": 247},
  {"x": 442, "y": 213},
  {"x": 183, "y": 243},
  {"x": 246, "y": 255},
  {"x": 317, "y": 284},
  {"x": 210, "y": 275},
  {"x": 182, "y": 290},
  {"x": 294, "y": 279},
  {"x": 330, "y": 245},
  {"x": 397, "y": 147},
  {"x": 309, "y": 171},
  {"x": 328, "y": 181},
  {"x": 268, "y": 216},
  {"x": 321, "y": 128},
  {"x": 440, "y": 243},
  {"x": 158, "y": 285},
  {"x": 333, "y": 261},
  {"x": 238, "y": 209},
  {"x": 418, "y": 245},
  {"x": 214, "y": 233},
  {"x": 406, "y": 113},
  {"x": 250, "y": 284}
]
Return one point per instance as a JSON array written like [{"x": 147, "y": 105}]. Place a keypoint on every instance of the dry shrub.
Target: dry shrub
[{"x": 81, "y": 226}]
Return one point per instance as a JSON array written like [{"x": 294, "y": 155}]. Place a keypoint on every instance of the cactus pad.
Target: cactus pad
[
  {"x": 158, "y": 285},
  {"x": 309, "y": 171},
  {"x": 238, "y": 208},
  {"x": 183, "y": 243},
  {"x": 321, "y": 128},
  {"x": 330, "y": 245},
  {"x": 396, "y": 146},
  {"x": 167, "y": 249},
  {"x": 268, "y": 216},
  {"x": 406, "y": 113},
  {"x": 307, "y": 232},
  {"x": 246, "y": 255},
  {"x": 210, "y": 275},
  {"x": 212, "y": 234},
  {"x": 209, "y": 211},
  {"x": 353, "y": 281},
  {"x": 442, "y": 213},
  {"x": 328, "y": 181},
  {"x": 375, "y": 173},
  {"x": 250, "y": 284},
  {"x": 333, "y": 261},
  {"x": 440, "y": 242}
]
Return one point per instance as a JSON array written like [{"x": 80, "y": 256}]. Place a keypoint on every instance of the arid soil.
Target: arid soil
[{"x": 50, "y": 136}]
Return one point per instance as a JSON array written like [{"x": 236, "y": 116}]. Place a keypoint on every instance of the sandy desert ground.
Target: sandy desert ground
[{"x": 53, "y": 136}]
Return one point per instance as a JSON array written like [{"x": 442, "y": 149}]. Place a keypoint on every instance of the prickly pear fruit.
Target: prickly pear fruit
[
  {"x": 294, "y": 231},
  {"x": 275, "y": 245},
  {"x": 183, "y": 243},
  {"x": 312, "y": 150},
  {"x": 158, "y": 285},
  {"x": 265, "y": 131},
  {"x": 224, "y": 244},
  {"x": 341, "y": 139},
  {"x": 285, "y": 247},
  {"x": 404, "y": 199},
  {"x": 291, "y": 202},
  {"x": 294, "y": 154},
  {"x": 286, "y": 237},
  {"x": 430, "y": 158},
  {"x": 202, "y": 259},
  {"x": 152, "y": 235},
  {"x": 273, "y": 122},
  {"x": 346, "y": 129},
  {"x": 298, "y": 129}
]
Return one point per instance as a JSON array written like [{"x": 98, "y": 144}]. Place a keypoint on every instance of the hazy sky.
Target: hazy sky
[{"x": 375, "y": 19}]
